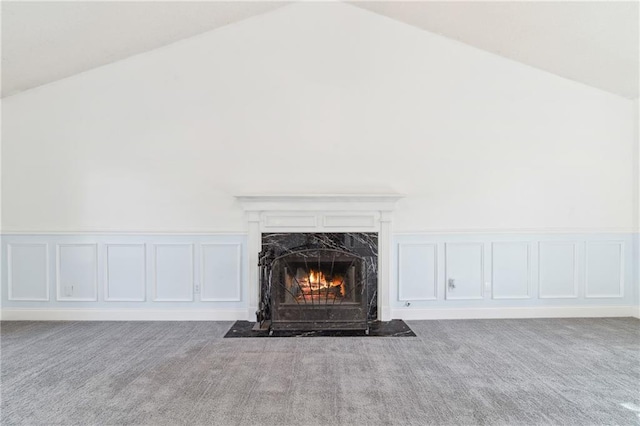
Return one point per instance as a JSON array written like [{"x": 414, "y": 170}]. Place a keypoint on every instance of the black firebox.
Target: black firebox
[{"x": 318, "y": 281}]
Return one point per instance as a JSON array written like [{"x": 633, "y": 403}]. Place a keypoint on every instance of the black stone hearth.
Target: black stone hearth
[
  {"x": 393, "y": 328},
  {"x": 318, "y": 281}
]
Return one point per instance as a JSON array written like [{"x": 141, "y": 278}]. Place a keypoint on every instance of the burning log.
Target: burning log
[{"x": 335, "y": 291}]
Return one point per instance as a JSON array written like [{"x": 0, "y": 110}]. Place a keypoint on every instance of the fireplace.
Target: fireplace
[
  {"x": 318, "y": 281},
  {"x": 351, "y": 230}
]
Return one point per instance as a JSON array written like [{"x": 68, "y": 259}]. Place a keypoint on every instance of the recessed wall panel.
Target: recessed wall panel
[
  {"x": 557, "y": 270},
  {"x": 125, "y": 272},
  {"x": 173, "y": 278},
  {"x": 464, "y": 271},
  {"x": 28, "y": 274},
  {"x": 77, "y": 269},
  {"x": 510, "y": 270},
  {"x": 604, "y": 269},
  {"x": 417, "y": 275},
  {"x": 221, "y": 273}
]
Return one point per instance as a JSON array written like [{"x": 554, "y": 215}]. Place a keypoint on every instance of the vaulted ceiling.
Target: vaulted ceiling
[
  {"x": 595, "y": 43},
  {"x": 592, "y": 42},
  {"x": 47, "y": 41}
]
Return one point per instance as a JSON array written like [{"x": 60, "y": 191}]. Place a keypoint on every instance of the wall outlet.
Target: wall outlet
[
  {"x": 196, "y": 289},
  {"x": 487, "y": 287},
  {"x": 68, "y": 290}
]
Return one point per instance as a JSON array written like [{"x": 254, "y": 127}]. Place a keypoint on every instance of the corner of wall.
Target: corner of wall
[{"x": 636, "y": 216}]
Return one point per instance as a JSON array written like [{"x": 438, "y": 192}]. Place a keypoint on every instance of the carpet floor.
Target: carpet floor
[{"x": 466, "y": 372}]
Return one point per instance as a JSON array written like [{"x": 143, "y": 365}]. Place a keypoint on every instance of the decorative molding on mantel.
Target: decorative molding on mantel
[{"x": 319, "y": 202}]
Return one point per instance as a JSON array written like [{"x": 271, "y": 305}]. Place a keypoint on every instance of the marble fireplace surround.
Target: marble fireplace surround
[{"x": 320, "y": 213}]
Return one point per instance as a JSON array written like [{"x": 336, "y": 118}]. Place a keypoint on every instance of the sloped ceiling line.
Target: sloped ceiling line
[{"x": 595, "y": 43}]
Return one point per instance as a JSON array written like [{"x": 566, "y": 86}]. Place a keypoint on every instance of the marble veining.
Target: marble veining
[
  {"x": 393, "y": 328},
  {"x": 362, "y": 247}
]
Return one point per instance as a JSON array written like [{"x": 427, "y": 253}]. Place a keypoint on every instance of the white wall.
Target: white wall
[
  {"x": 323, "y": 98},
  {"x": 495, "y": 158}
]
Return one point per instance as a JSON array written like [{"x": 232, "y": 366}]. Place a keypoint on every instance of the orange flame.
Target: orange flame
[
  {"x": 317, "y": 286},
  {"x": 317, "y": 278}
]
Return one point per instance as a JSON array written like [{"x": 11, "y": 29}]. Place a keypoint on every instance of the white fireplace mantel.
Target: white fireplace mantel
[
  {"x": 320, "y": 213},
  {"x": 323, "y": 202}
]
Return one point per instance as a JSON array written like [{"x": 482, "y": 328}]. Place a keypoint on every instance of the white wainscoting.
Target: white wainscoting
[
  {"x": 28, "y": 271},
  {"x": 510, "y": 270},
  {"x": 77, "y": 272},
  {"x": 204, "y": 277},
  {"x": 604, "y": 273},
  {"x": 126, "y": 273},
  {"x": 464, "y": 271},
  {"x": 221, "y": 272},
  {"x": 509, "y": 275},
  {"x": 417, "y": 283},
  {"x": 120, "y": 277},
  {"x": 558, "y": 270},
  {"x": 173, "y": 272}
]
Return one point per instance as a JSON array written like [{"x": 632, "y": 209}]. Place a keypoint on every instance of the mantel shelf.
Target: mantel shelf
[{"x": 323, "y": 202}]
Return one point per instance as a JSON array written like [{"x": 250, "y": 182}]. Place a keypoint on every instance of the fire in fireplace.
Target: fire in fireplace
[
  {"x": 318, "y": 281},
  {"x": 314, "y": 287},
  {"x": 326, "y": 284}
]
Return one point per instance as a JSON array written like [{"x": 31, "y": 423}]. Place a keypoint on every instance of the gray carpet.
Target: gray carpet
[{"x": 494, "y": 372}]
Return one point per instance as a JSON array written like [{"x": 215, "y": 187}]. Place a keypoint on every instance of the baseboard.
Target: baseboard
[
  {"x": 524, "y": 312},
  {"x": 26, "y": 314}
]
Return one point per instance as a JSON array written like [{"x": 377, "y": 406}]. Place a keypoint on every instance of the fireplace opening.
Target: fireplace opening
[
  {"x": 330, "y": 279},
  {"x": 318, "y": 281}
]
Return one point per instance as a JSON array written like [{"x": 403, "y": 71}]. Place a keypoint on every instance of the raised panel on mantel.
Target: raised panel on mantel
[
  {"x": 604, "y": 269},
  {"x": 173, "y": 268},
  {"x": 417, "y": 272},
  {"x": 125, "y": 272},
  {"x": 77, "y": 272},
  {"x": 557, "y": 270},
  {"x": 221, "y": 273},
  {"x": 510, "y": 270},
  {"x": 464, "y": 268},
  {"x": 346, "y": 221},
  {"x": 290, "y": 221},
  {"x": 28, "y": 272}
]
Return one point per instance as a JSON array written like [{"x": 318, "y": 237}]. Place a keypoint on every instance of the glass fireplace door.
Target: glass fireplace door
[{"x": 319, "y": 289}]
